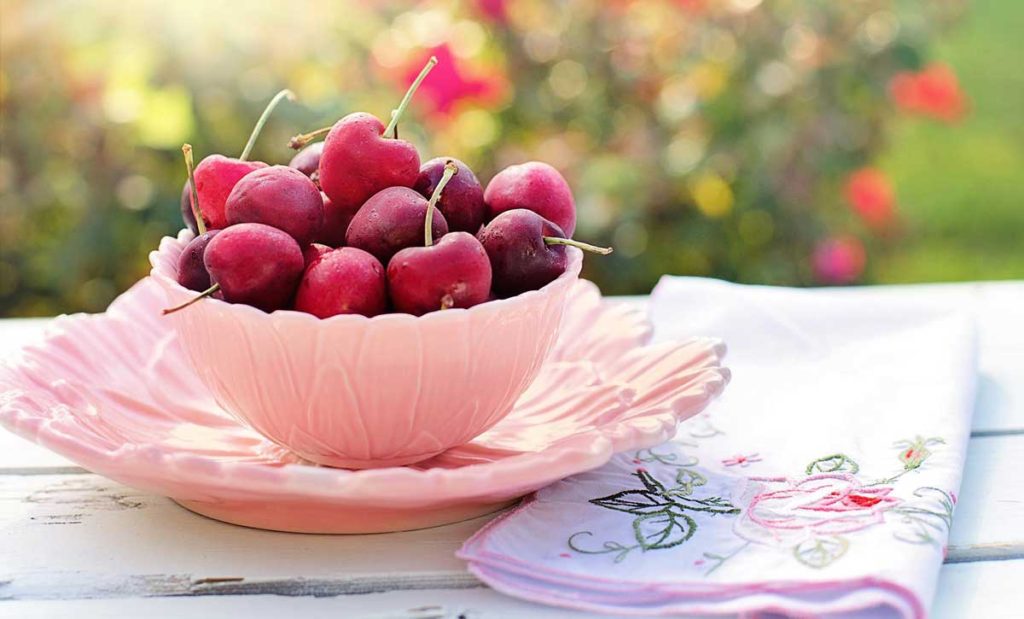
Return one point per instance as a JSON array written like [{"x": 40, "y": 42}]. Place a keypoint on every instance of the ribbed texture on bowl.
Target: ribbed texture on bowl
[{"x": 358, "y": 392}]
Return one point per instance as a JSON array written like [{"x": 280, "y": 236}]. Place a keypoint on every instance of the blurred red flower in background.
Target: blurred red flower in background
[
  {"x": 494, "y": 10},
  {"x": 839, "y": 260},
  {"x": 452, "y": 82},
  {"x": 871, "y": 196},
  {"x": 933, "y": 92},
  {"x": 691, "y": 6}
]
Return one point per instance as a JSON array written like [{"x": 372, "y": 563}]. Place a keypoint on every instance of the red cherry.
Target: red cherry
[
  {"x": 216, "y": 175},
  {"x": 336, "y": 222},
  {"x": 535, "y": 186},
  {"x": 255, "y": 264},
  {"x": 192, "y": 272},
  {"x": 343, "y": 281},
  {"x": 454, "y": 272},
  {"x": 462, "y": 203},
  {"x": 307, "y": 160},
  {"x": 356, "y": 143},
  {"x": 391, "y": 221},
  {"x": 526, "y": 251},
  {"x": 362, "y": 157},
  {"x": 313, "y": 252},
  {"x": 281, "y": 197}
]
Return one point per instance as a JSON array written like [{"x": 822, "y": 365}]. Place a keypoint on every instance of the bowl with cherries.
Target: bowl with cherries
[{"x": 359, "y": 307}]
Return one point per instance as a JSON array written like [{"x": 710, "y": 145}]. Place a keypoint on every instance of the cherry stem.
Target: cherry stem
[
  {"x": 186, "y": 150},
  {"x": 397, "y": 113},
  {"x": 202, "y": 295},
  {"x": 450, "y": 170},
  {"x": 267, "y": 111},
  {"x": 301, "y": 140},
  {"x": 556, "y": 240}
]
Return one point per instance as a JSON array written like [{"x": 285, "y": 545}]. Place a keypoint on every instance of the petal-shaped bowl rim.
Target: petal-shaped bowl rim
[
  {"x": 505, "y": 478},
  {"x": 164, "y": 259}
]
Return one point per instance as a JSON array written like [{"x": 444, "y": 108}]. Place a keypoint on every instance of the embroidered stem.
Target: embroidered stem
[
  {"x": 721, "y": 559},
  {"x": 608, "y": 547}
]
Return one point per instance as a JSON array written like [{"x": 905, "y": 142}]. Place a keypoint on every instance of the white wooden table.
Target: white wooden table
[{"x": 73, "y": 544}]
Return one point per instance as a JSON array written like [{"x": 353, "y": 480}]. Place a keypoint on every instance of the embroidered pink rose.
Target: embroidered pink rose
[{"x": 787, "y": 511}]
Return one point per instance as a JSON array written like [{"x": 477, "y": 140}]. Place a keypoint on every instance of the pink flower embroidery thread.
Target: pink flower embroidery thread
[
  {"x": 787, "y": 510},
  {"x": 741, "y": 460}
]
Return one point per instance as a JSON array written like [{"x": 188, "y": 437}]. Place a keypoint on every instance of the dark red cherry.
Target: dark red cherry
[
  {"x": 336, "y": 222},
  {"x": 281, "y": 197},
  {"x": 526, "y": 251},
  {"x": 343, "y": 281},
  {"x": 192, "y": 272},
  {"x": 255, "y": 264},
  {"x": 462, "y": 203},
  {"x": 454, "y": 272},
  {"x": 391, "y": 221},
  {"x": 307, "y": 160}
]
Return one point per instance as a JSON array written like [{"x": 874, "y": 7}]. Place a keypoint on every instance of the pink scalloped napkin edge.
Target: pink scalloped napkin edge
[{"x": 823, "y": 483}]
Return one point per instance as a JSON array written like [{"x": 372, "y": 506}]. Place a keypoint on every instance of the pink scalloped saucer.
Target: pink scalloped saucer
[{"x": 114, "y": 393}]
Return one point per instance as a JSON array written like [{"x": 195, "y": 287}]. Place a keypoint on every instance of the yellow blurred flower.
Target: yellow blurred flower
[{"x": 712, "y": 195}]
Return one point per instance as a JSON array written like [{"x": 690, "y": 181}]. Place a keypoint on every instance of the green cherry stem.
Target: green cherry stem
[
  {"x": 450, "y": 170},
  {"x": 202, "y": 295},
  {"x": 267, "y": 111},
  {"x": 555, "y": 240},
  {"x": 186, "y": 150},
  {"x": 300, "y": 141},
  {"x": 397, "y": 114}
]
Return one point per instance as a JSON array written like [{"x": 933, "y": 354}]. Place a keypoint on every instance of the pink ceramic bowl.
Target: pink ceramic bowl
[{"x": 357, "y": 392}]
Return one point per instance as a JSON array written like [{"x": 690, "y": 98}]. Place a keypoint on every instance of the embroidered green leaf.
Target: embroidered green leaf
[
  {"x": 634, "y": 502},
  {"x": 663, "y": 530},
  {"x": 712, "y": 505},
  {"x": 652, "y": 485},
  {"x": 820, "y": 552},
  {"x": 686, "y": 479},
  {"x": 833, "y": 464}
]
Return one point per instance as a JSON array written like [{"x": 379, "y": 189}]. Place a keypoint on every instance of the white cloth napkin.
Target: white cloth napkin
[{"x": 822, "y": 482}]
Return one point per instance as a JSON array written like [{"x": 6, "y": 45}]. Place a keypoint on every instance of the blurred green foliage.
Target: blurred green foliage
[
  {"x": 960, "y": 187},
  {"x": 706, "y": 137}
]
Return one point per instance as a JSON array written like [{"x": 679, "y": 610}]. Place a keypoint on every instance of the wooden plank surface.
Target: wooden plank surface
[
  {"x": 469, "y": 604},
  {"x": 966, "y": 590}
]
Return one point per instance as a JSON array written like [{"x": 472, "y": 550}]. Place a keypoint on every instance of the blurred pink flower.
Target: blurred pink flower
[
  {"x": 933, "y": 92},
  {"x": 871, "y": 196},
  {"x": 493, "y": 10},
  {"x": 452, "y": 82},
  {"x": 839, "y": 260}
]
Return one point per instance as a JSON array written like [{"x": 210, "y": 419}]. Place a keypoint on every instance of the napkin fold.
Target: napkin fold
[{"x": 823, "y": 482}]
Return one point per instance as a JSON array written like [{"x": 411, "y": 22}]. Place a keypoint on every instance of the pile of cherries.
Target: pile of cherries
[{"x": 355, "y": 225}]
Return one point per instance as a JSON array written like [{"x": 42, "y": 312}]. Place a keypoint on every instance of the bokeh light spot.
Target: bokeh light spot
[
  {"x": 134, "y": 192},
  {"x": 712, "y": 195},
  {"x": 568, "y": 79}
]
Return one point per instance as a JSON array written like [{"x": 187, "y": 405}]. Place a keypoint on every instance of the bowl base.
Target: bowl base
[{"x": 325, "y": 518}]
